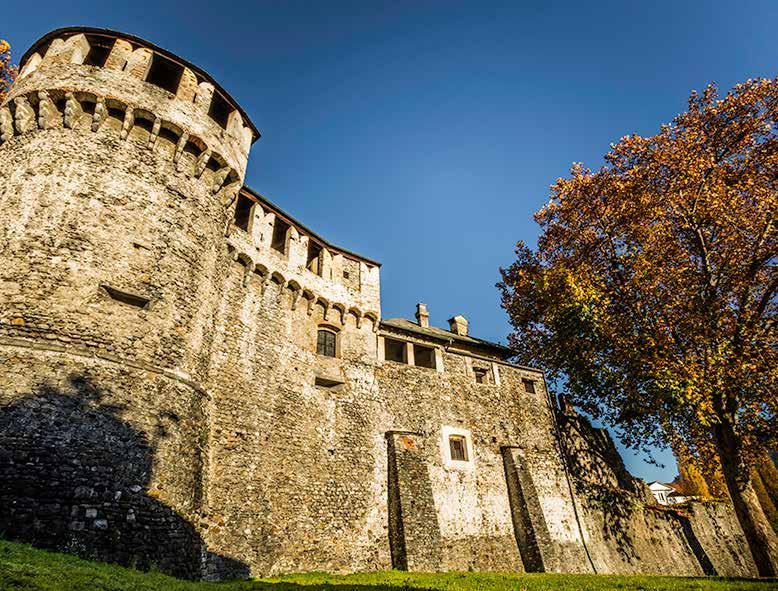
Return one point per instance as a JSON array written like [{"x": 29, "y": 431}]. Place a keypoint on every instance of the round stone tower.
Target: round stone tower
[{"x": 118, "y": 164}]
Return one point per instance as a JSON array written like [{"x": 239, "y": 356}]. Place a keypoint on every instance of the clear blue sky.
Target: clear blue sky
[{"x": 425, "y": 134}]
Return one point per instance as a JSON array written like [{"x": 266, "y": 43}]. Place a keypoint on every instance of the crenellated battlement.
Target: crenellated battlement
[{"x": 138, "y": 78}]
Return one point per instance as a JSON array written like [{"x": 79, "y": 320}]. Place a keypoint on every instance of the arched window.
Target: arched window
[{"x": 326, "y": 342}]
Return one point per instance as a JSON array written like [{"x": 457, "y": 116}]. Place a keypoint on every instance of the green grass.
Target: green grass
[{"x": 25, "y": 568}]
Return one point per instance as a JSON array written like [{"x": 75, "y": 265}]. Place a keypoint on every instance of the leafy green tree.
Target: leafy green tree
[{"x": 651, "y": 297}]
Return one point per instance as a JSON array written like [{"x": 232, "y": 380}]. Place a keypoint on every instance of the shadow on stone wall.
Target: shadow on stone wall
[{"x": 74, "y": 477}]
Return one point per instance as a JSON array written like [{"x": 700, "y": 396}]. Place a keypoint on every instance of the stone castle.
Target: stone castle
[{"x": 193, "y": 380}]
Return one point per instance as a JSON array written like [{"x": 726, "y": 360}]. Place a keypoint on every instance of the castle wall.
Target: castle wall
[
  {"x": 163, "y": 402},
  {"x": 626, "y": 532},
  {"x": 303, "y": 476}
]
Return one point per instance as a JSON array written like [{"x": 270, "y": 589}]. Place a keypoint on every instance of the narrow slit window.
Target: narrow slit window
[
  {"x": 125, "y": 297},
  {"x": 457, "y": 444},
  {"x": 328, "y": 383},
  {"x": 395, "y": 351},
  {"x": 424, "y": 356},
  {"x": 278, "y": 242},
  {"x": 313, "y": 263},
  {"x": 244, "y": 210},
  {"x": 529, "y": 386},
  {"x": 326, "y": 343}
]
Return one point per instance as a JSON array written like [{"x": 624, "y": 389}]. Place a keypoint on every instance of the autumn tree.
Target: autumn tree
[
  {"x": 7, "y": 71},
  {"x": 651, "y": 297}
]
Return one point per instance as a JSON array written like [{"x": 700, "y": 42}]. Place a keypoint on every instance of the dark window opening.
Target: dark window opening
[
  {"x": 164, "y": 73},
  {"x": 395, "y": 351},
  {"x": 480, "y": 375},
  {"x": 88, "y": 106},
  {"x": 313, "y": 263},
  {"x": 346, "y": 275},
  {"x": 326, "y": 343},
  {"x": 116, "y": 113},
  {"x": 126, "y": 297},
  {"x": 458, "y": 446},
  {"x": 169, "y": 135},
  {"x": 278, "y": 242},
  {"x": 219, "y": 110},
  {"x": 146, "y": 124},
  {"x": 529, "y": 386},
  {"x": 192, "y": 148},
  {"x": 99, "y": 50},
  {"x": 213, "y": 164},
  {"x": 424, "y": 356},
  {"x": 243, "y": 210}
]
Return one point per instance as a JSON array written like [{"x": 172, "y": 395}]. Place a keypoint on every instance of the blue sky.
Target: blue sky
[{"x": 425, "y": 134}]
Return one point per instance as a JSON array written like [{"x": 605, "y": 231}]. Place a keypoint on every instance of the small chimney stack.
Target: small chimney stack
[
  {"x": 458, "y": 325},
  {"x": 422, "y": 316}
]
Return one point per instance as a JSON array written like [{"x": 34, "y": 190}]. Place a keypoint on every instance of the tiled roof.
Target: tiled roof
[{"x": 440, "y": 334}]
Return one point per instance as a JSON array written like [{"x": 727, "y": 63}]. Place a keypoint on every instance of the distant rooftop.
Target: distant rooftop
[{"x": 441, "y": 334}]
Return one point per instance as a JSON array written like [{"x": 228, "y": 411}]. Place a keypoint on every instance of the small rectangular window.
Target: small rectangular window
[
  {"x": 424, "y": 356},
  {"x": 314, "y": 257},
  {"x": 219, "y": 110},
  {"x": 164, "y": 73},
  {"x": 529, "y": 386},
  {"x": 395, "y": 351},
  {"x": 243, "y": 212},
  {"x": 99, "y": 50},
  {"x": 278, "y": 242},
  {"x": 326, "y": 343},
  {"x": 458, "y": 446},
  {"x": 481, "y": 375}
]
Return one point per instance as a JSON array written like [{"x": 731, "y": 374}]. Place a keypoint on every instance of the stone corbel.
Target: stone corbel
[
  {"x": 6, "y": 124},
  {"x": 311, "y": 302},
  {"x": 202, "y": 162},
  {"x": 327, "y": 309},
  {"x": 25, "y": 115},
  {"x": 129, "y": 122},
  {"x": 48, "y": 115},
  {"x": 247, "y": 271},
  {"x": 73, "y": 110},
  {"x": 154, "y": 132},
  {"x": 219, "y": 178},
  {"x": 298, "y": 293},
  {"x": 264, "y": 283},
  {"x": 101, "y": 112},
  {"x": 359, "y": 320},
  {"x": 180, "y": 147}
]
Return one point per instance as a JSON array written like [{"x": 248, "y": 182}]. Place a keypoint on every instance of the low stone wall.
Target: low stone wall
[
  {"x": 624, "y": 535},
  {"x": 716, "y": 527}
]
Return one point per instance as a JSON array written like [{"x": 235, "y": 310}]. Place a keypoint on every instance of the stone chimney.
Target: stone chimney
[
  {"x": 422, "y": 316},
  {"x": 458, "y": 324}
]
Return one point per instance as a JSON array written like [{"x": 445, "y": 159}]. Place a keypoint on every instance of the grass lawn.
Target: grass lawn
[{"x": 23, "y": 568}]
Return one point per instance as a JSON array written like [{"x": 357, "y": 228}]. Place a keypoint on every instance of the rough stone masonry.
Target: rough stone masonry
[{"x": 194, "y": 381}]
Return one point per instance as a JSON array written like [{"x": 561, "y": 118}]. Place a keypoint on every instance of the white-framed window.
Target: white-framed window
[{"x": 457, "y": 448}]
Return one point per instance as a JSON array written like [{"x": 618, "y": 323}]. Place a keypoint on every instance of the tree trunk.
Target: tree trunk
[{"x": 761, "y": 538}]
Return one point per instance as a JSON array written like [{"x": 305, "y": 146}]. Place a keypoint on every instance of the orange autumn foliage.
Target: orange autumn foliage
[
  {"x": 651, "y": 298},
  {"x": 7, "y": 70}
]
